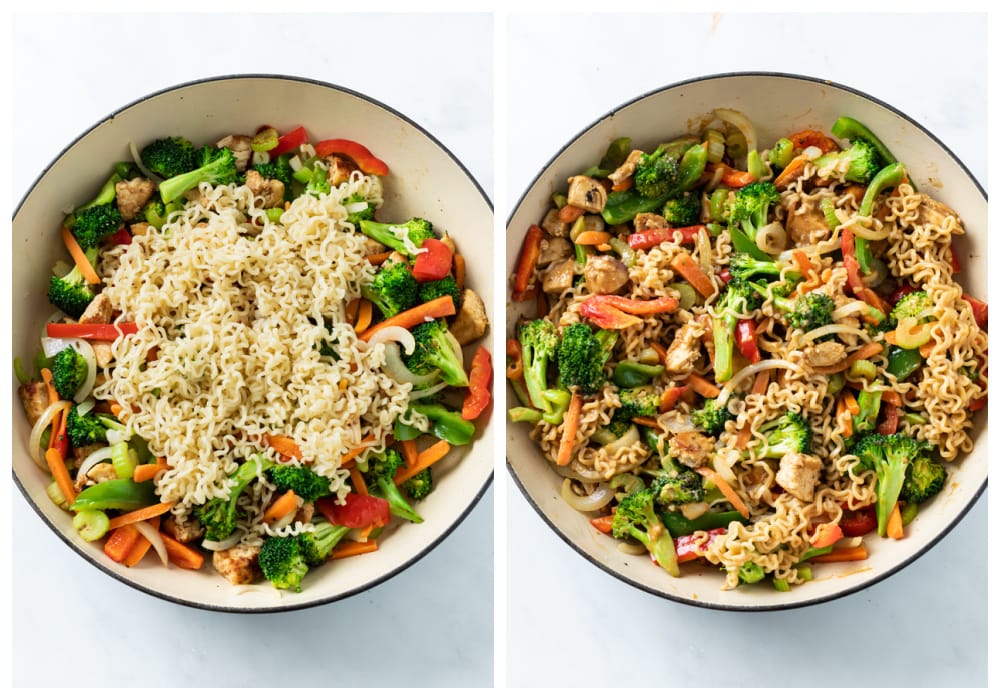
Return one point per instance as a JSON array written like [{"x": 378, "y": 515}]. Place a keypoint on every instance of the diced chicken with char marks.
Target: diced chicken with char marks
[
  {"x": 798, "y": 474},
  {"x": 692, "y": 449},
  {"x": 604, "y": 274},
  {"x": 339, "y": 170},
  {"x": 132, "y": 195},
  {"x": 105, "y": 471},
  {"x": 626, "y": 169},
  {"x": 554, "y": 249},
  {"x": 271, "y": 192},
  {"x": 587, "y": 194},
  {"x": 239, "y": 564},
  {"x": 824, "y": 354},
  {"x": 934, "y": 213},
  {"x": 802, "y": 226},
  {"x": 648, "y": 220},
  {"x": 239, "y": 144},
  {"x": 189, "y": 530},
  {"x": 553, "y": 225},
  {"x": 471, "y": 322},
  {"x": 685, "y": 348},
  {"x": 98, "y": 310},
  {"x": 560, "y": 277}
]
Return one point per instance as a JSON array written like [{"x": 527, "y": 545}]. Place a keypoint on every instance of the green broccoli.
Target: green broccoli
[
  {"x": 684, "y": 210},
  {"x": 806, "y": 312},
  {"x": 684, "y": 486},
  {"x": 85, "y": 429},
  {"x": 636, "y": 517},
  {"x": 859, "y": 163},
  {"x": 869, "y": 404},
  {"x": 657, "y": 173},
  {"x": 169, "y": 156},
  {"x": 924, "y": 478},
  {"x": 379, "y": 472},
  {"x": 711, "y": 417},
  {"x": 790, "y": 433},
  {"x": 319, "y": 183},
  {"x": 582, "y": 355},
  {"x": 278, "y": 169},
  {"x": 749, "y": 213},
  {"x": 437, "y": 349},
  {"x": 890, "y": 457},
  {"x": 737, "y": 299},
  {"x": 69, "y": 370},
  {"x": 745, "y": 267},
  {"x": 93, "y": 224},
  {"x": 216, "y": 166},
  {"x": 435, "y": 289},
  {"x": 283, "y": 562},
  {"x": 539, "y": 346},
  {"x": 316, "y": 545},
  {"x": 357, "y": 215},
  {"x": 751, "y": 572},
  {"x": 393, "y": 289},
  {"x": 71, "y": 293},
  {"x": 219, "y": 515},
  {"x": 301, "y": 479},
  {"x": 402, "y": 238},
  {"x": 638, "y": 402},
  {"x": 419, "y": 485},
  {"x": 916, "y": 304}
]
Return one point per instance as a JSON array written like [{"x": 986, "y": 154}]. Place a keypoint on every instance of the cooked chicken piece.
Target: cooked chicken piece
[
  {"x": 647, "y": 220},
  {"x": 685, "y": 348},
  {"x": 559, "y": 278},
  {"x": 692, "y": 449},
  {"x": 272, "y": 192},
  {"x": 98, "y": 310},
  {"x": 339, "y": 170},
  {"x": 132, "y": 195},
  {"x": 397, "y": 257},
  {"x": 102, "y": 352},
  {"x": 450, "y": 242},
  {"x": 105, "y": 471},
  {"x": 240, "y": 146},
  {"x": 81, "y": 453},
  {"x": 604, "y": 274},
  {"x": 799, "y": 474},
  {"x": 189, "y": 530},
  {"x": 934, "y": 213},
  {"x": 554, "y": 249},
  {"x": 554, "y": 226},
  {"x": 471, "y": 322},
  {"x": 138, "y": 228},
  {"x": 35, "y": 398},
  {"x": 824, "y": 354},
  {"x": 587, "y": 194},
  {"x": 857, "y": 191},
  {"x": 305, "y": 513},
  {"x": 373, "y": 247},
  {"x": 801, "y": 226},
  {"x": 238, "y": 564},
  {"x": 626, "y": 169}
]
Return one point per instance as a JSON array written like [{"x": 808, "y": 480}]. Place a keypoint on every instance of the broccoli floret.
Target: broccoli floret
[
  {"x": 736, "y": 300},
  {"x": 379, "y": 472},
  {"x": 419, "y": 485},
  {"x": 366, "y": 214},
  {"x": 86, "y": 429},
  {"x": 788, "y": 434},
  {"x": 582, "y": 355},
  {"x": 861, "y": 162},
  {"x": 711, "y": 417},
  {"x": 636, "y": 517},
  {"x": 913, "y": 305},
  {"x": 658, "y": 173},
  {"x": 393, "y": 289},
  {"x": 415, "y": 232},
  {"x": 637, "y": 402},
  {"x": 539, "y": 346},
  {"x": 749, "y": 213},
  {"x": 890, "y": 456},
  {"x": 806, "y": 312},
  {"x": 71, "y": 293},
  {"x": 924, "y": 478},
  {"x": 93, "y": 224},
  {"x": 319, "y": 183},
  {"x": 219, "y": 515},
  {"x": 280, "y": 170},
  {"x": 435, "y": 289},
  {"x": 751, "y": 572},
  {"x": 684, "y": 486},
  {"x": 869, "y": 403},
  {"x": 745, "y": 267},
  {"x": 169, "y": 157},
  {"x": 684, "y": 210},
  {"x": 216, "y": 166},
  {"x": 306, "y": 483},
  {"x": 316, "y": 546},
  {"x": 437, "y": 349},
  {"x": 69, "y": 370},
  {"x": 283, "y": 562}
]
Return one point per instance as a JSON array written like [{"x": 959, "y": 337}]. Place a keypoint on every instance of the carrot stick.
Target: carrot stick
[
  {"x": 351, "y": 549},
  {"x": 858, "y": 553},
  {"x": 569, "y": 213},
  {"x": 409, "y": 450},
  {"x": 625, "y": 184},
  {"x": 282, "y": 506},
  {"x": 687, "y": 268},
  {"x": 141, "y": 546},
  {"x": 458, "y": 260},
  {"x": 851, "y": 403},
  {"x": 140, "y": 514},
  {"x": 571, "y": 422},
  {"x": 703, "y": 387},
  {"x": 284, "y": 446},
  {"x": 351, "y": 310},
  {"x": 425, "y": 458},
  {"x": 890, "y": 337},
  {"x": 593, "y": 238},
  {"x": 364, "y": 316},
  {"x": 803, "y": 263},
  {"x": 603, "y": 523},
  {"x": 726, "y": 489},
  {"x": 796, "y": 166},
  {"x": 116, "y": 408},
  {"x": 760, "y": 382},
  {"x": 843, "y": 420},
  {"x": 648, "y": 422},
  {"x": 358, "y": 482},
  {"x": 366, "y": 532},
  {"x": 180, "y": 554},
  {"x": 926, "y": 349},
  {"x": 121, "y": 542},
  {"x": 49, "y": 386},
  {"x": 743, "y": 437},
  {"x": 661, "y": 352},
  {"x": 79, "y": 257},
  {"x": 378, "y": 258},
  {"x": 894, "y": 526},
  {"x": 60, "y": 473},
  {"x": 354, "y": 452},
  {"x": 435, "y": 308},
  {"x": 145, "y": 472}
]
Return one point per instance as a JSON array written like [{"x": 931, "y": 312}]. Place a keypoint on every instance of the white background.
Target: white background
[
  {"x": 432, "y": 624},
  {"x": 569, "y": 623}
]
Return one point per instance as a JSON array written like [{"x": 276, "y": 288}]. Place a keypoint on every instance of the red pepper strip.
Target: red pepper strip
[
  {"x": 688, "y": 548},
  {"x": 479, "y": 384},
  {"x": 287, "y": 142},
  {"x": 810, "y": 137},
  {"x": 660, "y": 305},
  {"x": 855, "y": 523},
  {"x": 652, "y": 237},
  {"x": 730, "y": 176},
  {"x": 980, "y": 310},
  {"x": 122, "y": 237},
  {"x": 433, "y": 263},
  {"x": 725, "y": 275},
  {"x": 956, "y": 266},
  {"x": 746, "y": 339},
  {"x": 671, "y": 395},
  {"x": 890, "y": 421},
  {"x": 977, "y": 404},
  {"x": 606, "y": 316},
  {"x": 91, "y": 331},
  {"x": 369, "y": 164},
  {"x": 357, "y": 512},
  {"x": 527, "y": 259},
  {"x": 603, "y": 523},
  {"x": 900, "y": 292},
  {"x": 515, "y": 361},
  {"x": 851, "y": 262}
]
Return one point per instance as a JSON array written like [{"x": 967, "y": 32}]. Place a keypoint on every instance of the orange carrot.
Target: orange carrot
[
  {"x": 366, "y": 532},
  {"x": 603, "y": 523},
  {"x": 671, "y": 395},
  {"x": 282, "y": 506},
  {"x": 358, "y": 482},
  {"x": 458, "y": 260},
  {"x": 688, "y": 268},
  {"x": 60, "y": 473},
  {"x": 571, "y": 421},
  {"x": 435, "y": 308},
  {"x": 116, "y": 408},
  {"x": 760, "y": 382},
  {"x": 364, "y": 316},
  {"x": 121, "y": 541},
  {"x": 141, "y": 514},
  {"x": 181, "y": 555},
  {"x": 858, "y": 553},
  {"x": 894, "y": 526},
  {"x": 843, "y": 418},
  {"x": 647, "y": 422},
  {"x": 703, "y": 387},
  {"x": 851, "y": 403},
  {"x": 661, "y": 352},
  {"x": 625, "y": 184},
  {"x": 926, "y": 349},
  {"x": 796, "y": 166},
  {"x": 826, "y": 535},
  {"x": 49, "y": 386},
  {"x": 284, "y": 446},
  {"x": 141, "y": 546},
  {"x": 728, "y": 491},
  {"x": 351, "y": 549},
  {"x": 593, "y": 238},
  {"x": 425, "y": 458},
  {"x": 79, "y": 257},
  {"x": 351, "y": 310},
  {"x": 803, "y": 263},
  {"x": 743, "y": 437},
  {"x": 409, "y": 450},
  {"x": 892, "y": 398},
  {"x": 891, "y": 338},
  {"x": 354, "y": 452},
  {"x": 145, "y": 472},
  {"x": 569, "y": 213},
  {"x": 378, "y": 258}
]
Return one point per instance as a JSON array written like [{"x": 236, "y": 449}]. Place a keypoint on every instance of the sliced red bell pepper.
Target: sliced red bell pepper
[
  {"x": 980, "y": 310},
  {"x": 851, "y": 263},
  {"x": 978, "y": 404},
  {"x": 900, "y": 292},
  {"x": 725, "y": 275},
  {"x": 358, "y": 511},
  {"x": 855, "y": 523},
  {"x": 746, "y": 339},
  {"x": 369, "y": 164},
  {"x": 660, "y": 305},
  {"x": 122, "y": 237},
  {"x": 810, "y": 137},
  {"x": 652, "y": 237},
  {"x": 290, "y": 141},
  {"x": 606, "y": 316},
  {"x": 890, "y": 420},
  {"x": 688, "y": 548},
  {"x": 527, "y": 259},
  {"x": 603, "y": 523},
  {"x": 90, "y": 331},
  {"x": 670, "y": 396},
  {"x": 956, "y": 266},
  {"x": 433, "y": 262},
  {"x": 479, "y": 384}
]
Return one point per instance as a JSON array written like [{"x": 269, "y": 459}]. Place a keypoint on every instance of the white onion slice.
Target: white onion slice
[
  {"x": 355, "y": 207},
  {"x": 150, "y": 533},
  {"x": 849, "y": 309},
  {"x": 693, "y": 510},
  {"x": 428, "y": 391},
  {"x": 601, "y": 497},
  {"x": 397, "y": 369},
  {"x": 630, "y": 437},
  {"x": 139, "y": 164},
  {"x": 116, "y": 436},
  {"x": 763, "y": 365},
  {"x": 221, "y": 545},
  {"x": 812, "y": 152},
  {"x": 771, "y": 238},
  {"x": 836, "y": 328},
  {"x": 821, "y": 248},
  {"x": 94, "y": 458},
  {"x": 849, "y": 542},
  {"x": 568, "y": 473},
  {"x": 39, "y": 427},
  {"x": 85, "y": 407},
  {"x": 723, "y": 462},
  {"x": 868, "y": 234},
  {"x": 396, "y": 334},
  {"x": 53, "y": 346},
  {"x": 87, "y": 350},
  {"x": 741, "y": 122}
]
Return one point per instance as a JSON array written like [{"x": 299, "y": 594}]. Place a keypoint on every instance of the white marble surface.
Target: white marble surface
[
  {"x": 570, "y": 624},
  {"x": 431, "y": 625}
]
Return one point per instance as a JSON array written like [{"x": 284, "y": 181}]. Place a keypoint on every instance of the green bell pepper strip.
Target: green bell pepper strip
[
  {"x": 116, "y": 494},
  {"x": 816, "y": 552},
  {"x": 908, "y": 512},
  {"x": 680, "y": 526},
  {"x": 692, "y": 167},
  {"x": 615, "y": 155},
  {"x": 523, "y": 414},
  {"x": 446, "y": 424},
  {"x": 559, "y": 398},
  {"x": 717, "y": 204},
  {"x": 903, "y": 361},
  {"x": 629, "y": 375},
  {"x": 402, "y": 431},
  {"x": 889, "y": 176}
]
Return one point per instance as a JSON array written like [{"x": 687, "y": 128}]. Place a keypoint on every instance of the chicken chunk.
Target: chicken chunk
[
  {"x": 933, "y": 213},
  {"x": 471, "y": 322},
  {"x": 587, "y": 194},
  {"x": 188, "y": 530},
  {"x": 604, "y": 274},
  {"x": 305, "y": 513},
  {"x": 554, "y": 249},
  {"x": 824, "y": 354},
  {"x": 272, "y": 192},
  {"x": 627, "y": 169},
  {"x": 132, "y": 195},
  {"x": 339, "y": 170},
  {"x": 81, "y": 453},
  {"x": 799, "y": 474},
  {"x": 35, "y": 399},
  {"x": 554, "y": 226},
  {"x": 560, "y": 277},
  {"x": 239, "y": 144},
  {"x": 105, "y": 471},
  {"x": 239, "y": 564},
  {"x": 692, "y": 449},
  {"x": 98, "y": 310},
  {"x": 648, "y": 220},
  {"x": 685, "y": 348},
  {"x": 802, "y": 226},
  {"x": 102, "y": 352},
  {"x": 138, "y": 228}
]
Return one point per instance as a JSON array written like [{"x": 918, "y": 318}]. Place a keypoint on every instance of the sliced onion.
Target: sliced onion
[
  {"x": 231, "y": 541},
  {"x": 428, "y": 391},
  {"x": 397, "y": 369},
  {"x": 704, "y": 244},
  {"x": 693, "y": 510},
  {"x": 568, "y": 473},
  {"x": 53, "y": 346},
  {"x": 630, "y": 437},
  {"x": 260, "y": 157},
  {"x": 741, "y": 122},
  {"x": 821, "y": 248},
  {"x": 355, "y": 207},
  {"x": 395, "y": 334},
  {"x": 850, "y": 542},
  {"x": 771, "y": 238},
  {"x": 836, "y": 328},
  {"x": 116, "y": 436},
  {"x": 87, "y": 350},
  {"x": 94, "y": 458},
  {"x": 139, "y": 164},
  {"x": 85, "y": 407},
  {"x": 849, "y": 309},
  {"x": 763, "y": 365},
  {"x": 812, "y": 152},
  {"x": 600, "y": 497},
  {"x": 150, "y": 533},
  {"x": 43, "y": 422},
  {"x": 868, "y": 234}
]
